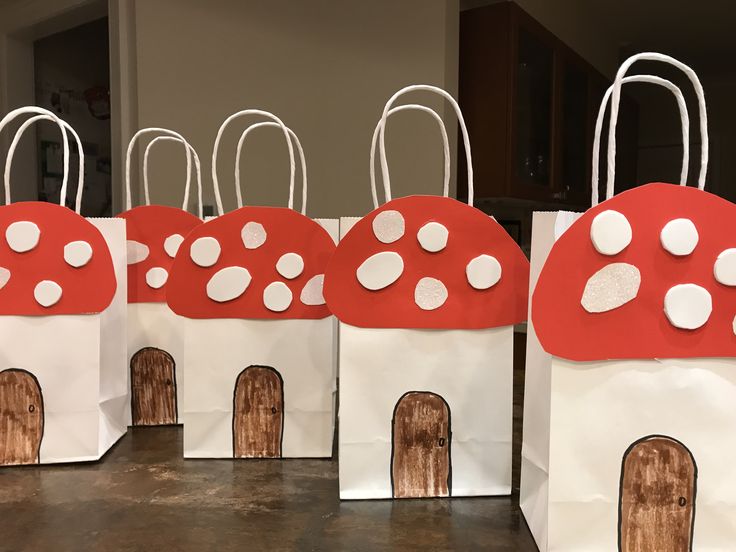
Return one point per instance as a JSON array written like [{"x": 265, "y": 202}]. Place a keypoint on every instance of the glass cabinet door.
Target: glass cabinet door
[{"x": 574, "y": 123}]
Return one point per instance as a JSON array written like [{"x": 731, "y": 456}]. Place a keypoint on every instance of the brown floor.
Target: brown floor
[{"x": 142, "y": 496}]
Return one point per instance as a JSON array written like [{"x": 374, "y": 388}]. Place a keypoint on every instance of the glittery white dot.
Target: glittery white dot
[
  {"x": 172, "y": 244},
  {"x": 77, "y": 253},
  {"x": 277, "y": 296},
  {"x": 388, "y": 226},
  {"x": 47, "y": 293},
  {"x": 290, "y": 265},
  {"x": 733, "y": 325},
  {"x": 228, "y": 283},
  {"x": 137, "y": 252},
  {"x": 433, "y": 237},
  {"x": 312, "y": 291},
  {"x": 156, "y": 277},
  {"x": 612, "y": 286},
  {"x": 430, "y": 294},
  {"x": 253, "y": 235},
  {"x": 205, "y": 251},
  {"x": 679, "y": 237},
  {"x": 688, "y": 306},
  {"x": 4, "y": 277},
  {"x": 724, "y": 269},
  {"x": 380, "y": 270},
  {"x": 22, "y": 236},
  {"x": 483, "y": 272},
  {"x": 610, "y": 232}
]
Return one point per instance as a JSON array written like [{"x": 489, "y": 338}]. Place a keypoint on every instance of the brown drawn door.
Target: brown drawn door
[
  {"x": 657, "y": 503},
  {"x": 153, "y": 386},
  {"x": 420, "y": 459},
  {"x": 21, "y": 417},
  {"x": 258, "y": 413}
]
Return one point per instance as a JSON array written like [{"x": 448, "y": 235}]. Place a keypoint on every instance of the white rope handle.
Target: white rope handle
[
  {"x": 221, "y": 130},
  {"x": 463, "y": 129},
  {"x": 16, "y": 140},
  {"x": 65, "y": 145},
  {"x": 131, "y": 144},
  {"x": 197, "y": 167},
  {"x": 616, "y": 99},
  {"x": 445, "y": 147},
  {"x": 299, "y": 148},
  {"x": 684, "y": 120}
]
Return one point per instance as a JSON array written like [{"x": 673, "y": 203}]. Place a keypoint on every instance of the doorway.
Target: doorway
[{"x": 258, "y": 413}]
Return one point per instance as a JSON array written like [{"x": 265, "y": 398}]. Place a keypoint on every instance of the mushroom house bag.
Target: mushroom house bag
[
  {"x": 63, "y": 384},
  {"x": 259, "y": 339},
  {"x": 155, "y": 348},
  {"x": 427, "y": 290},
  {"x": 635, "y": 307}
]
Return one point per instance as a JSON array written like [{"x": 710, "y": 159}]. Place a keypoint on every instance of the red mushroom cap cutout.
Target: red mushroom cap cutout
[
  {"x": 52, "y": 261},
  {"x": 649, "y": 273},
  {"x": 155, "y": 233},
  {"x": 254, "y": 262},
  {"x": 428, "y": 262}
]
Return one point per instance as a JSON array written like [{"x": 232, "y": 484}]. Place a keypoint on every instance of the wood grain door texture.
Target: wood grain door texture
[
  {"x": 258, "y": 413},
  {"x": 153, "y": 387},
  {"x": 21, "y": 417},
  {"x": 421, "y": 438},
  {"x": 657, "y": 496}
]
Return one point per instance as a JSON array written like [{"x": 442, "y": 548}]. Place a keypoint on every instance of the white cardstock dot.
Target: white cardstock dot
[
  {"x": 77, "y": 253},
  {"x": 47, "y": 293},
  {"x": 724, "y": 269},
  {"x": 228, "y": 283},
  {"x": 687, "y": 306},
  {"x": 733, "y": 325},
  {"x": 433, "y": 237},
  {"x": 4, "y": 277},
  {"x": 290, "y": 265},
  {"x": 388, "y": 226},
  {"x": 679, "y": 237},
  {"x": 430, "y": 294},
  {"x": 610, "y": 232},
  {"x": 312, "y": 291},
  {"x": 156, "y": 277},
  {"x": 253, "y": 235},
  {"x": 380, "y": 270},
  {"x": 277, "y": 296},
  {"x": 205, "y": 251},
  {"x": 483, "y": 272},
  {"x": 172, "y": 244},
  {"x": 22, "y": 236},
  {"x": 137, "y": 252},
  {"x": 612, "y": 286}
]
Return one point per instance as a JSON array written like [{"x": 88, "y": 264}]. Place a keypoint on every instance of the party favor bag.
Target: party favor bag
[{"x": 427, "y": 291}]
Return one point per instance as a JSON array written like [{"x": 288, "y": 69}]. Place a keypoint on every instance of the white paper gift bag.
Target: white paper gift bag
[
  {"x": 427, "y": 290},
  {"x": 634, "y": 304},
  {"x": 155, "y": 344},
  {"x": 63, "y": 386},
  {"x": 259, "y": 337}
]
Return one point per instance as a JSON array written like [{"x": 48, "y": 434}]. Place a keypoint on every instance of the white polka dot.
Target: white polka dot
[
  {"x": 4, "y": 277},
  {"x": 430, "y": 294},
  {"x": 228, "y": 283},
  {"x": 277, "y": 296},
  {"x": 687, "y": 306},
  {"x": 312, "y": 291},
  {"x": 612, "y": 286},
  {"x": 156, "y": 277},
  {"x": 47, "y": 293},
  {"x": 388, "y": 226},
  {"x": 679, "y": 236},
  {"x": 253, "y": 235},
  {"x": 290, "y": 265},
  {"x": 77, "y": 253},
  {"x": 172, "y": 244},
  {"x": 433, "y": 237},
  {"x": 610, "y": 232},
  {"x": 733, "y": 325},
  {"x": 380, "y": 270},
  {"x": 724, "y": 269},
  {"x": 22, "y": 236},
  {"x": 137, "y": 252},
  {"x": 205, "y": 251},
  {"x": 483, "y": 272}
]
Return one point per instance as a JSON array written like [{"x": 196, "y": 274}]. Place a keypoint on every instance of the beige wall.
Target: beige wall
[{"x": 326, "y": 67}]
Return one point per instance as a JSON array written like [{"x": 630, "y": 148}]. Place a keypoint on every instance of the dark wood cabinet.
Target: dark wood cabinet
[{"x": 530, "y": 104}]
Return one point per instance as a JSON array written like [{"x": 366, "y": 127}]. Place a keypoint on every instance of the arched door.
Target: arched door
[
  {"x": 657, "y": 502},
  {"x": 258, "y": 413},
  {"x": 420, "y": 457},
  {"x": 153, "y": 387},
  {"x": 21, "y": 417}
]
